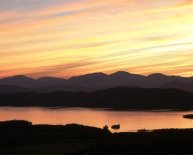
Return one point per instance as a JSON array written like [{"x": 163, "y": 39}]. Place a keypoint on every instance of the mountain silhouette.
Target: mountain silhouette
[
  {"x": 90, "y": 81},
  {"x": 98, "y": 81},
  {"x": 19, "y": 80},
  {"x": 48, "y": 81}
]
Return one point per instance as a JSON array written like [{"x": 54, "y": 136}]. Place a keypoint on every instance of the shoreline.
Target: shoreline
[{"x": 101, "y": 108}]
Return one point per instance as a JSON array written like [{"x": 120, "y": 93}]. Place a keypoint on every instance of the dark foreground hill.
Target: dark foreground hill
[
  {"x": 22, "y": 138},
  {"x": 117, "y": 98}
]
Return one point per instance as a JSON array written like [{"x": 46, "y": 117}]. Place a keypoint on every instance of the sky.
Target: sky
[{"x": 64, "y": 38}]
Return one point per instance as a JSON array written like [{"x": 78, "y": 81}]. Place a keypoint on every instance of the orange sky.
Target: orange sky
[{"x": 65, "y": 38}]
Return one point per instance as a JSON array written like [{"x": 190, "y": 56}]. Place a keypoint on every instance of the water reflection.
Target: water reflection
[{"x": 129, "y": 120}]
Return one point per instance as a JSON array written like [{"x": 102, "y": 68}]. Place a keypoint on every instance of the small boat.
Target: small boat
[{"x": 116, "y": 127}]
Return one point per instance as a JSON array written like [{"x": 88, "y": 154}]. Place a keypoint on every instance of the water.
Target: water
[{"x": 129, "y": 120}]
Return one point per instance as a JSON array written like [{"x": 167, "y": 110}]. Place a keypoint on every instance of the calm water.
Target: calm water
[{"x": 129, "y": 120}]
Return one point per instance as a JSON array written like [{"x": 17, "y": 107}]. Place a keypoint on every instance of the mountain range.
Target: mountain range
[{"x": 93, "y": 82}]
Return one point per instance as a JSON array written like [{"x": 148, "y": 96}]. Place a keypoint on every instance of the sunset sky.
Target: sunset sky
[{"x": 65, "y": 38}]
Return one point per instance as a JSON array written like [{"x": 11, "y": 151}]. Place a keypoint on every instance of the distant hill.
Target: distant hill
[
  {"x": 117, "y": 98},
  {"x": 179, "y": 85},
  {"x": 98, "y": 81},
  {"x": 9, "y": 89},
  {"x": 59, "y": 88}
]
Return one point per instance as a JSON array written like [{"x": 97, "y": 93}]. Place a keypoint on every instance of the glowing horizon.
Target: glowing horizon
[
  {"x": 69, "y": 77},
  {"x": 64, "y": 38}
]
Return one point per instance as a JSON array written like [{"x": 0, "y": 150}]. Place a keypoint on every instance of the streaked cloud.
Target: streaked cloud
[{"x": 70, "y": 37}]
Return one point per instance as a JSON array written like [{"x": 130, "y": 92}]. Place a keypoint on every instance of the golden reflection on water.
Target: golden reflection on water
[{"x": 129, "y": 120}]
